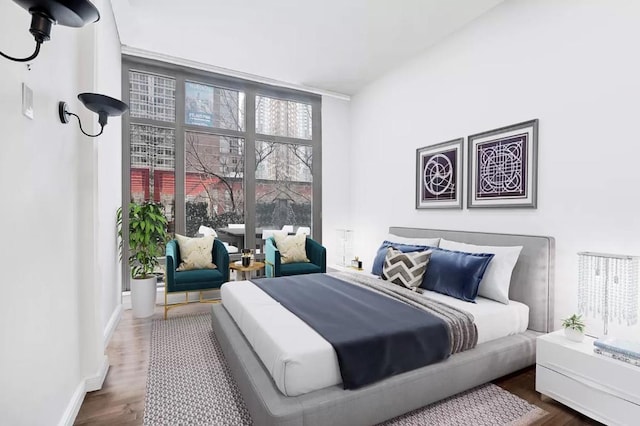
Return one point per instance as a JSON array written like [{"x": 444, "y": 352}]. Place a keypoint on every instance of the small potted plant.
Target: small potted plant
[
  {"x": 147, "y": 238},
  {"x": 574, "y": 328}
]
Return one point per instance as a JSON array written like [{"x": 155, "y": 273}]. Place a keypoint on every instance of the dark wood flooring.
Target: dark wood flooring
[{"x": 121, "y": 400}]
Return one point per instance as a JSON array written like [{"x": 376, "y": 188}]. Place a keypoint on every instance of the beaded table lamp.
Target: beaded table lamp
[
  {"x": 608, "y": 287},
  {"x": 345, "y": 246}
]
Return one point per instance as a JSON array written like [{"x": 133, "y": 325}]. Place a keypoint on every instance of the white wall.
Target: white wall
[
  {"x": 51, "y": 322},
  {"x": 335, "y": 172},
  {"x": 570, "y": 63},
  {"x": 108, "y": 63}
]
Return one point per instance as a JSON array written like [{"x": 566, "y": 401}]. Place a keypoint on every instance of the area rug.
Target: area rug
[{"x": 189, "y": 383}]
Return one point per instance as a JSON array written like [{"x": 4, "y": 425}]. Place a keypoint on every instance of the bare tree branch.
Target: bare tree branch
[
  {"x": 263, "y": 151},
  {"x": 196, "y": 161}
]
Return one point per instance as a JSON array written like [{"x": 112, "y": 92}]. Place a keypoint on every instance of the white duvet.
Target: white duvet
[{"x": 301, "y": 361}]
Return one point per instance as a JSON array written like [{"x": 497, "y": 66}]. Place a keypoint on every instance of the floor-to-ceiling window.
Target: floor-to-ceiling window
[
  {"x": 284, "y": 163},
  {"x": 230, "y": 154}
]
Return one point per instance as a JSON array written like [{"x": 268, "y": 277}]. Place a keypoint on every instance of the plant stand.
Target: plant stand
[{"x": 143, "y": 296}]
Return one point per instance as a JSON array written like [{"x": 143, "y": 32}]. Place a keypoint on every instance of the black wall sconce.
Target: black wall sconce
[
  {"x": 104, "y": 106},
  {"x": 45, "y": 13}
]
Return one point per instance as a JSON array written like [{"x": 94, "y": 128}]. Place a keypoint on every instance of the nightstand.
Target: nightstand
[
  {"x": 602, "y": 388},
  {"x": 341, "y": 268}
]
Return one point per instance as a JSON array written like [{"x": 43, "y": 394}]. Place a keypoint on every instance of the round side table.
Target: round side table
[{"x": 246, "y": 270}]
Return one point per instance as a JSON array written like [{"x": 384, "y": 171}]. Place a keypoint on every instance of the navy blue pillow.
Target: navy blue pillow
[
  {"x": 455, "y": 273},
  {"x": 378, "y": 261}
]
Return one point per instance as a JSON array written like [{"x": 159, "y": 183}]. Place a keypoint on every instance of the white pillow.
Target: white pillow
[
  {"x": 497, "y": 278},
  {"x": 196, "y": 253},
  {"x": 433, "y": 242},
  {"x": 206, "y": 231},
  {"x": 292, "y": 248}
]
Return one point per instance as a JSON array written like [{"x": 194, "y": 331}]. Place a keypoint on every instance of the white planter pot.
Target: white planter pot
[
  {"x": 573, "y": 335},
  {"x": 143, "y": 296}
]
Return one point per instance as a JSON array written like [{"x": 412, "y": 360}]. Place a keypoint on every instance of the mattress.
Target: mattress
[{"x": 300, "y": 360}]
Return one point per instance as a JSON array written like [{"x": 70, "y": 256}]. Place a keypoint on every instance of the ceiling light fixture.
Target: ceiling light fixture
[
  {"x": 104, "y": 106},
  {"x": 45, "y": 13}
]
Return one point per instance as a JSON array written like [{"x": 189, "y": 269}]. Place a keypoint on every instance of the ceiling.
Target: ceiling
[{"x": 332, "y": 45}]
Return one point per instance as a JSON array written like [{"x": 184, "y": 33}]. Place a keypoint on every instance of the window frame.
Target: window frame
[{"x": 251, "y": 89}]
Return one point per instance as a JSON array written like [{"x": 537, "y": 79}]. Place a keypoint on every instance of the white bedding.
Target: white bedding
[{"x": 301, "y": 361}]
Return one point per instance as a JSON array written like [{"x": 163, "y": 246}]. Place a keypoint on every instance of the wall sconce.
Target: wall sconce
[
  {"x": 102, "y": 105},
  {"x": 45, "y": 13}
]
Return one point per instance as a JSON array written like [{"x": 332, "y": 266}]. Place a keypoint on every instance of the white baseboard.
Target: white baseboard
[
  {"x": 71, "y": 412},
  {"x": 90, "y": 384},
  {"x": 126, "y": 300},
  {"x": 95, "y": 382},
  {"x": 112, "y": 324}
]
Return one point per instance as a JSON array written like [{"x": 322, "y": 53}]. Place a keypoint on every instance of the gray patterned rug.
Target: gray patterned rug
[{"x": 189, "y": 383}]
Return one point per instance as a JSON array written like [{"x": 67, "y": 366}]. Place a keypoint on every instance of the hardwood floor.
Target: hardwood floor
[
  {"x": 121, "y": 400},
  {"x": 523, "y": 384}
]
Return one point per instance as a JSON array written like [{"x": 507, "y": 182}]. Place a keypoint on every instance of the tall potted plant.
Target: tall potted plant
[{"x": 147, "y": 237}]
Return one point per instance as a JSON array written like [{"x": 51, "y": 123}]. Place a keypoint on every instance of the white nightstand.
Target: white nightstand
[
  {"x": 602, "y": 388},
  {"x": 340, "y": 268}
]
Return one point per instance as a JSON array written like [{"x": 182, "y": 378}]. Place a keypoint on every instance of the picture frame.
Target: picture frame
[
  {"x": 439, "y": 182},
  {"x": 503, "y": 167}
]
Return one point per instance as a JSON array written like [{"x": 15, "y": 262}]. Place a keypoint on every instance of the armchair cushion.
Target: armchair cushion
[
  {"x": 198, "y": 279},
  {"x": 292, "y": 248},
  {"x": 196, "y": 253},
  {"x": 299, "y": 269}
]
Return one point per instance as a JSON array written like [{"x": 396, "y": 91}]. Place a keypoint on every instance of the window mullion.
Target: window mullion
[
  {"x": 316, "y": 203},
  {"x": 250, "y": 168},
  {"x": 284, "y": 139},
  {"x": 180, "y": 173}
]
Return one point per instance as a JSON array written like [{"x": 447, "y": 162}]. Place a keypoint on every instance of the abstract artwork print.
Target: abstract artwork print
[
  {"x": 503, "y": 167},
  {"x": 438, "y": 175}
]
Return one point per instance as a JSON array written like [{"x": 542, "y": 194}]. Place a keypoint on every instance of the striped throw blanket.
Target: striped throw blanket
[{"x": 462, "y": 330}]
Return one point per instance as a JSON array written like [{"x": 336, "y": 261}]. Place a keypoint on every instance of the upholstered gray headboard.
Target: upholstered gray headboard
[{"x": 533, "y": 276}]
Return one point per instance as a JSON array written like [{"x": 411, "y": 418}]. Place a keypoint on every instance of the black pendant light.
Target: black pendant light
[
  {"x": 104, "y": 106},
  {"x": 45, "y": 13}
]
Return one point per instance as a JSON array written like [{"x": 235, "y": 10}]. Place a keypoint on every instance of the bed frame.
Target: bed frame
[{"x": 531, "y": 283}]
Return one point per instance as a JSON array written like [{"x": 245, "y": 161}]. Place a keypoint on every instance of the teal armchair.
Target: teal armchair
[
  {"x": 196, "y": 279},
  {"x": 274, "y": 267}
]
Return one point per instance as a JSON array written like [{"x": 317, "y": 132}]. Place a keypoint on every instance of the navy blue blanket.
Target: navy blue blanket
[{"x": 374, "y": 336}]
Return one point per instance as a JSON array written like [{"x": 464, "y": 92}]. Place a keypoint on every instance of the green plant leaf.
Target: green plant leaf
[{"x": 147, "y": 236}]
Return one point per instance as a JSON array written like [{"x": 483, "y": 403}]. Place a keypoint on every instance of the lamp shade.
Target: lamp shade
[
  {"x": 608, "y": 287},
  {"x": 69, "y": 13},
  {"x": 344, "y": 246},
  {"x": 103, "y": 104}
]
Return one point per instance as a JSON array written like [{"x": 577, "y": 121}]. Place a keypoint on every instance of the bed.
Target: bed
[{"x": 262, "y": 388}]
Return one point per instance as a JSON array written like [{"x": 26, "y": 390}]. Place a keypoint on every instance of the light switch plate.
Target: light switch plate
[{"x": 27, "y": 101}]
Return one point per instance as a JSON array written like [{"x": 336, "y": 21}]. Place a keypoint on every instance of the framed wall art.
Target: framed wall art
[
  {"x": 503, "y": 167},
  {"x": 439, "y": 175}
]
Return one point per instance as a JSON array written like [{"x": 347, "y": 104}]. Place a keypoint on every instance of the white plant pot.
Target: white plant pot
[
  {"x": 143, "y": 296},
  {"x": 573, "y": 335}
]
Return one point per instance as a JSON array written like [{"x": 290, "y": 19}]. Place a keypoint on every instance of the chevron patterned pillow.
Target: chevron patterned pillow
[{"x": 405, "y": 269}]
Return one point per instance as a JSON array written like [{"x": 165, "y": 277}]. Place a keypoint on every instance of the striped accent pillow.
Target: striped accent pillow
[{"x": 405, "y": 269}]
